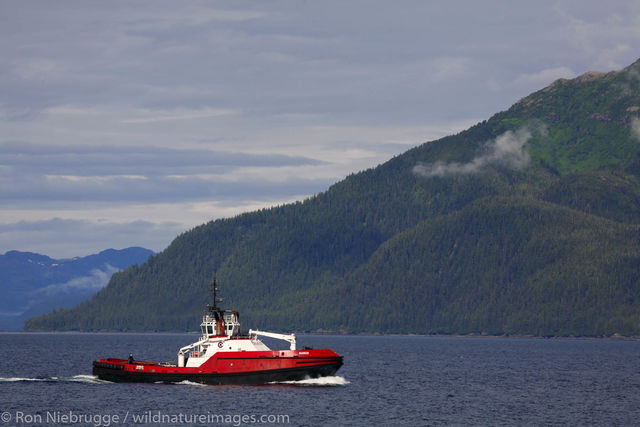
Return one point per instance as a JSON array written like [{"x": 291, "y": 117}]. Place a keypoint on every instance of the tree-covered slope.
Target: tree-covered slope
[
  {"x": 537, "y": 182},
  {"x": 500, "y": 265}
]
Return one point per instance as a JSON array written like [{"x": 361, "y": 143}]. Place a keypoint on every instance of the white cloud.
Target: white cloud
[
  {"x": 97, "y": 280},
  {"x": 543, "y": 78},
  {"x": 38, "y": 69},
  {"x": 151, "y": 116},
  {"x": 506, "y": 150},
  {"x": 611, "y": 59},
  {"x": 450, "y": 68},
  {"x": 604, "y": 35}
]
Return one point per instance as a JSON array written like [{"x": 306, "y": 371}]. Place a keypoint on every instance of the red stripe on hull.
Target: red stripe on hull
[{"x": 242, "y": 367}]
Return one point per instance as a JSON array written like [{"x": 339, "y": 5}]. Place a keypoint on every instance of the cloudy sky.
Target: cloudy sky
[{"x": 124, "y": 123}]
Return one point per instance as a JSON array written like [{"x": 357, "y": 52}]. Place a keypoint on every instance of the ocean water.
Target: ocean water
[{"x": 45, "y": 379}]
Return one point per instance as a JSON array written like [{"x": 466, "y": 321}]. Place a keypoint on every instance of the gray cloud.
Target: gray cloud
[
  {"x": 275, "y": 60},
  {"x": 71, "y": 160},
  {"x": 111, "y": 109},
  {"x": 119, "y": 189},
  {"x": 142, "y": 174},
  {"x": 169, "y": 189},
  {"x": 67, "y": 238},
  {"x": 506, "y": 150}
]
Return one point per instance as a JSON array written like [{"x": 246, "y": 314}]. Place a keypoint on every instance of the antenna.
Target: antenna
[{"x": 214, "y": 291}]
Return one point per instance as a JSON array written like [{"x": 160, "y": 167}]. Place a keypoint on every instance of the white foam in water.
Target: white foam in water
[
  {"x": 90, "y": 379},
  {"x": 186, "y": 382},
  {"x": 322, "y": 381},
  {"x": 18, "y": 379}
]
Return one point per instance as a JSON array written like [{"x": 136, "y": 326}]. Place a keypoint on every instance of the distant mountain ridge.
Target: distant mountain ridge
[
  {"x": 526, "y": 223},
  {"x": 33, "y": 284}
]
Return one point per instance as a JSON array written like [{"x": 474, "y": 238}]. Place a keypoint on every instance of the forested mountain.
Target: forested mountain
[
  {"x": 526, "y": 223},
  {"x": 33, "y": 284}
]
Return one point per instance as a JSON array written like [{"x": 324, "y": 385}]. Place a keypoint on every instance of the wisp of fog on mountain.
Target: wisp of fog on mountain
[{"x": 507, "y": 150}]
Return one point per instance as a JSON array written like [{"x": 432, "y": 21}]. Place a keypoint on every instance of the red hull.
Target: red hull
[{"x": 232, "y": 367}]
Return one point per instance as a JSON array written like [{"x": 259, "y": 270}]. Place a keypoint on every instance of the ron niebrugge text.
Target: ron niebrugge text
[{"x": 148, "y": 417}]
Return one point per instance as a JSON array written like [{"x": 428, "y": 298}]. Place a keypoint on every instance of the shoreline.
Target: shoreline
[{"x": 614, "y": 337}]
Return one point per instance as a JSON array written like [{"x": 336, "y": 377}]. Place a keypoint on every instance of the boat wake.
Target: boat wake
[
  {"x": 92, "y": 379},
  {"x": 321, "y": 382},
  {"x": 186, "y": 382},
  {"x": 87, "y": 379}
]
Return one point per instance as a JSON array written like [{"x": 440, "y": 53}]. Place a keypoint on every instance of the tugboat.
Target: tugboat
[{"x": 224, "y": 355}]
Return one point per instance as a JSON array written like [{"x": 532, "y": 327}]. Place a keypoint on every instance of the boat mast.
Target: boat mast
[{"x": 214, "y": 291}]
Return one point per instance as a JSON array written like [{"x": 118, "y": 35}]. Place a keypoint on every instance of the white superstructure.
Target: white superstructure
[{"x": 222, "y": 331}]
